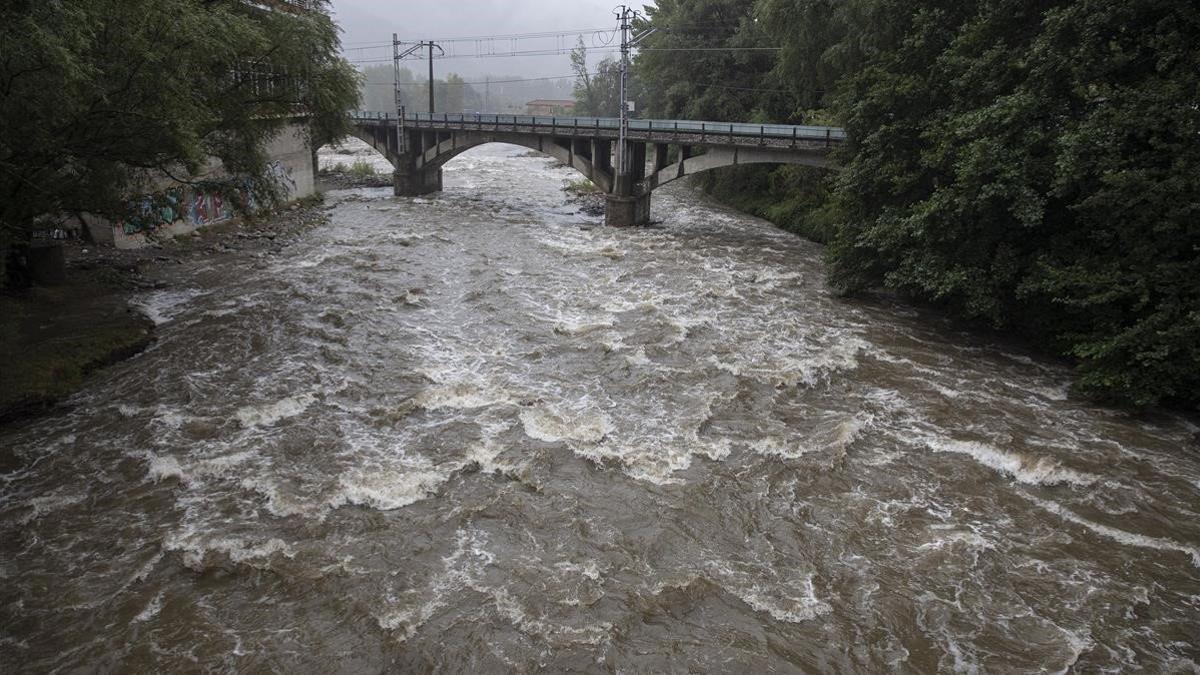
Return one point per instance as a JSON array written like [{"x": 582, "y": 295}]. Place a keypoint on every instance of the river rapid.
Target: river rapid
[{"x": 477, "y": 431}]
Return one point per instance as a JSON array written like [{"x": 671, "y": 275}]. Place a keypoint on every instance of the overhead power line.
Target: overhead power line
[
  {"x": 442, "y": 82},
  {"x": 520, "y": 36},
  {"x": 710, "y": 49},
  {"x": 560, "y": 51}
]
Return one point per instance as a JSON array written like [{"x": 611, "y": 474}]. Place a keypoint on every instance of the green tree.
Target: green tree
[
  {"x": 1034, "y": 165},
  {"x": 378, "y": 89},
  {"x": 596, "y": 93},
  {"x": 704, "y": 63},
  {"x": 95, "y": 94},
  {"x": 452, "y": 94}
]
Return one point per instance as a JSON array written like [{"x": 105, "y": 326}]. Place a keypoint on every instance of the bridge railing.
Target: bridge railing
[{"x": 717, "y": 129}]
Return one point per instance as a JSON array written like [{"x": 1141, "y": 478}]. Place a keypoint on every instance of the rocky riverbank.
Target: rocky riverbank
[
  {"x": 54, "y": 337},
  {"x": 335, "y": 179},
  {"x": 585, "y": 195}
]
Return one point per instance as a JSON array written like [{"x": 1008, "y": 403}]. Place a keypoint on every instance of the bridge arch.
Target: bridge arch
[
  {"x": 381, "y": 143},
  {"x": 349, "y": 153},
  {"x": 716, "y": 158},
  {"x": 579, "y": 159}
]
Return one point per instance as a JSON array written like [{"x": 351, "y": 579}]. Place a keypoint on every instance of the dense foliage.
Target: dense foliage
[
  {"x": 597, "y": 92},
  {"x": 96, "y": 94},
  {"x": 1031, "y": 165}
]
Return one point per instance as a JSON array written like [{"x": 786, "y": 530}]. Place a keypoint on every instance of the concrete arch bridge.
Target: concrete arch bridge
[{"x": 657, "y": 151}]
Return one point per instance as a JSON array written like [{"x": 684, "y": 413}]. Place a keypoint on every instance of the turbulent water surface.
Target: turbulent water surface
[{"x": 479, "y": 432}]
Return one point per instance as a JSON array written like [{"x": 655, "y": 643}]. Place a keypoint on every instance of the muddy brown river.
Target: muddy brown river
[{"x": 479, "y": 432}]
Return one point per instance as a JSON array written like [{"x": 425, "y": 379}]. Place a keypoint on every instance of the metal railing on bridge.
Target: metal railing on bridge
[{"x": 582, "y": 124}]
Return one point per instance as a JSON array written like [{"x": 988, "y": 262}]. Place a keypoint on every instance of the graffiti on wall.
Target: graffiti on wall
[
  {"x": 192, "y": 206},
  {"x": 207, "y": 208},
  {"x": 281, "y": 175},
  {"x": 198, "y": 206}
]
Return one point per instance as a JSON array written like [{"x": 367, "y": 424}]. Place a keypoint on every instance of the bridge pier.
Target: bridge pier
[
  {"x": 628, "y": 204},
  {"x": 408, "y": 182},
  {"x": 624, "y": 211}
]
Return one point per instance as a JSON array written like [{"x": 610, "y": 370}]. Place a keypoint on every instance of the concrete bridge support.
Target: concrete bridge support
[
  {"x": 622, "y": 211},
  {"x": 629, "y": 203},
  {"x": 410, "y": 182}
]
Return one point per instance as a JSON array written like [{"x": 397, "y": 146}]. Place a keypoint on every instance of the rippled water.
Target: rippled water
[{"x": 476, "y": 431}]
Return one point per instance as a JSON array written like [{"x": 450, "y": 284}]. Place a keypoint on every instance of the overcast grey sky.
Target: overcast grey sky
[{"x": 373, "y": 21}]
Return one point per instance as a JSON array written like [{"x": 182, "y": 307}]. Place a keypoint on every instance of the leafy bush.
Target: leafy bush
[{"x": 361, "y": 169}]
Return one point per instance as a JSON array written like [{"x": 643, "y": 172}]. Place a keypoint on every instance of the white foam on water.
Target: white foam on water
[
  {"x": 1021, "y": 467},
  {"x": 485, "y": 453},
  {"x": 774, "y": 446},
  {"x": 582, "y": 325},
  {"x": 589, "y": 569},
  {"x": 1120, "y": 536},
  {"x": 653, "y": 462},
  {"x": 45, "y": 504},
  {"x": 790, "y": 371},
  {"x": 163, "y": 306},
  {"x": 161, "y": 467},
  {"x": 835, "y": 436},
  {"x": 386, "y": 489},
  {"x": 509, "y": 608},
  {"x": 968, "y": 538},
  {"x": 792, "y": 600},
  {"x": 552, "y": 425},
  {"x": 847, "y": 431},
  {"x": 196, "y": 550},
  {"x": 770, "y": 280},
  {"x": 411, "y": 298},
  {"x": 638, "y": 357},
  {"x": 282, "y": 503},
  {"x": 462, "y": 396},
  {"x": 223, "y": 465},
  {"x": 269, "y": 413},
  {"x": 842, "y": 356},
  {"x": 784, "y": 607},
  {"x": 151, "y": 609},
  {"x": 1054, "y": 393},
  {"x": 1078, "y": 642},
  {"x": 460, "y": 570},
  {"x": 881, "y": 457},
  {"x": 638, "y": 299},
  {"x": 583, "y": 244},
  {"x": 168, "y": 417}
]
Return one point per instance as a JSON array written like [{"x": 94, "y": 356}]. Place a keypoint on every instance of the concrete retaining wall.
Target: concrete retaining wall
[{"x": 171, "y": 209}]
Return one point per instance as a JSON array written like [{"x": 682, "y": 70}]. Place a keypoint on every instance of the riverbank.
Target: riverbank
[
  {"x": 584, "y": 194},
  {"x": 341, "y": 178},
  {"x": 54, "y": 337}
]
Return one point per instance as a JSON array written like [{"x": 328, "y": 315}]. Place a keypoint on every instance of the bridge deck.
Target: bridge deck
[{"x": 662, "y": 131}]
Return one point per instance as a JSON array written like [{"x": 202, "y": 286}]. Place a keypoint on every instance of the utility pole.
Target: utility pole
[
  {"x": 396, "y": 98},
  {"x": 431, "y": 46},
  {"x": 397, "y": 55},
  {"x": 624, "y": 16}
]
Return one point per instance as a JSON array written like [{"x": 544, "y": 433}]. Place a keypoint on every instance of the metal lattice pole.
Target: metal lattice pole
[{"x": 623, "y": 114}]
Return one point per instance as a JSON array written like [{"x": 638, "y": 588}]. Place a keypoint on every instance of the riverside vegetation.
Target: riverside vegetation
[
  {"x": 96, "y": 97},
  {"x": 1029, "y": 166}
]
